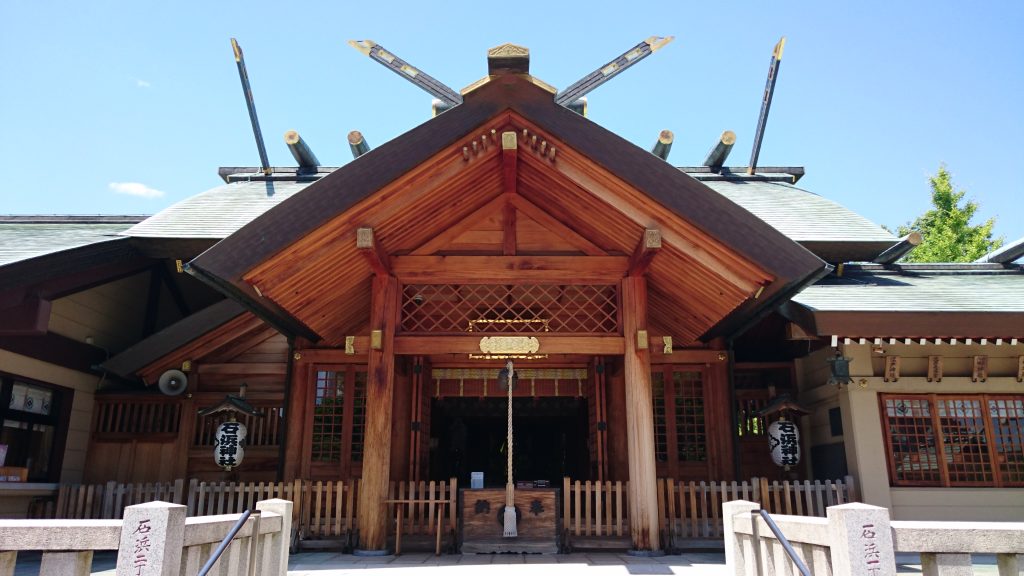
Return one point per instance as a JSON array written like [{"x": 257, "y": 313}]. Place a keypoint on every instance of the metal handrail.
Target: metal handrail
[
  {"x": 785, "y": 543},
  {"x": 227, "y": 541}
]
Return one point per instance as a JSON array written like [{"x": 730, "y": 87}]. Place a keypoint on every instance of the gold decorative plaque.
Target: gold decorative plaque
[{"x": 509, "y": 345}]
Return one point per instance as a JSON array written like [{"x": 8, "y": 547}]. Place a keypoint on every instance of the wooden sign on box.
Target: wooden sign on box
[
  {"x": 935, "y": 368},
  {"x": 892, "y": 369},
  {"x": 980, "y": 370}
]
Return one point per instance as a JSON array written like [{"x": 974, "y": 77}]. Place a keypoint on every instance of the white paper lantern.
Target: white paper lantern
[
  {"x": 227, "y": 445},
  {"x": 784, "y": 443}
]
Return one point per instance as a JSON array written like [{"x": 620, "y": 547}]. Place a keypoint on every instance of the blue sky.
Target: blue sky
[{"x": 128, "y": 107}]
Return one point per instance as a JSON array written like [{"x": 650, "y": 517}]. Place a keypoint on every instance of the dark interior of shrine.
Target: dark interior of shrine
[{"x": 469, "y": 435}]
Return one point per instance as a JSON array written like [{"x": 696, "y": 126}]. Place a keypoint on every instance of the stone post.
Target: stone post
[
  {"x": 152, "y": 538},
  {"x": 860, "y": 540},
  {"x": 734, "y": 555},
  {"x": 65, "y": 563},
  {"x": 278, "y": 553},
  {"x": 946, "y": 565}
]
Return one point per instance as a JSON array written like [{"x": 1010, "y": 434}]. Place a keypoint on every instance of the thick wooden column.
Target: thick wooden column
[
  {"x": 643, "y": 495},
  {"x": 380, "y": 391}
]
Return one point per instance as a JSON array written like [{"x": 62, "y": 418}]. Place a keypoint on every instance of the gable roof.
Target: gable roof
[{"x": 707, "y": 213}]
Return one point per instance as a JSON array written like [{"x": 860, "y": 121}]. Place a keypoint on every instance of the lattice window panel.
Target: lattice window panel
[
  {"x": 358, "y": 416},
  {"x": 912, "y": 441},
  {"x": 328, "y": 416},
  {"x": 965, "y": 447},
  {"x": 1007, "y": 417},
  {"x": 660, "y": 422},
  {"x": 691, "y": 437},
  {"x": 457, "y": 309}
]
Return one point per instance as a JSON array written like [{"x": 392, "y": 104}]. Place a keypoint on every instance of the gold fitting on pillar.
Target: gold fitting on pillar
[
  {"x": 667, "y": 344},
  {"x": 641, "y": 340},
  {"x": 376, "y": 339},
  {"x": 350, "y": 344}
]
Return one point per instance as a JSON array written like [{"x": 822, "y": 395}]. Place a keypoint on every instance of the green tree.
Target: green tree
[{"x": 948, "y": 233}]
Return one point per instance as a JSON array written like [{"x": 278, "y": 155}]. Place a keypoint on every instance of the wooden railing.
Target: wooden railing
[
  {"x": 856, "y": 539},
  {"x": 120, "y": 418},
  {"x": 324, "y": 510},
  {"x": 595, "y": 509},
  {"x": 691, "y": 510},
  {"x": 420, "y": 518},
  {"x": 153, "y": 535}
]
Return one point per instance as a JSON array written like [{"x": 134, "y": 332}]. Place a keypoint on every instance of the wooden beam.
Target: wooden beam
[
  {"x": 509, "y": 161},
  {"x": 509, "y": 233},
  {"x": 893, "y": 253},
  {"x": 509, "y": 269},
  {"x": 56, "y": 349},
  {"x": 470, "y": 344},
  {"x": 374, "y": 253},
  {"x": 380, "y": 389},
  {"x": 152, "y": 301},
  {"x": 553, "y": 224},
  {"x": 720, "y": 151},
  {"x": 643, "y": 493},
  {"x": 30, "y": 318},
  {"x": 244, "y": 369},
  {"x": 644, "y": 253}
]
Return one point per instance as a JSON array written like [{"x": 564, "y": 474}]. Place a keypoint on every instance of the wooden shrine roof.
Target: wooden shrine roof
[{"x": 297, "y": 263}]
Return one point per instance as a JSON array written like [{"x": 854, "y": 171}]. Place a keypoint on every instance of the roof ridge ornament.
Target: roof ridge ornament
[{"x": 508, "y": 59}]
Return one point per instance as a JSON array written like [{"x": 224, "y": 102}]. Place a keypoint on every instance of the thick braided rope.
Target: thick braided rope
[{"x": 508, "y": 489}]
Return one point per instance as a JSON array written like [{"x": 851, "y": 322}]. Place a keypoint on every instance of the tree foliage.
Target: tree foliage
[{"x": 948, "y": 233}]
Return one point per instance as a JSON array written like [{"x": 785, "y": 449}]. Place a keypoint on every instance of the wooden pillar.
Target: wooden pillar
[
  {"x": 373, "y": 490},
  {"x": 296, "y": 459},
  {"x": 643, "y": 499}
]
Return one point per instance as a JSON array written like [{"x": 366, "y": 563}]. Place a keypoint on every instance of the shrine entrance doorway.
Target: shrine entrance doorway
[{"x": 550, "y": 439}]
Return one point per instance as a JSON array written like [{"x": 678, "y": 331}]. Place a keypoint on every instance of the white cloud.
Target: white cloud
[
  {"x": 142, "y": 84},
  {"x": 136, "y": 189}
]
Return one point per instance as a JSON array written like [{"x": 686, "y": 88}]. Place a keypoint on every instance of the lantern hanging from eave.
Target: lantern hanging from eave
[
  {"x": 227, "y": 447},
  {"x": 784, "y": 443},
  {"x": 783, "y": 434},
  {"x": 229, "y": 438}
]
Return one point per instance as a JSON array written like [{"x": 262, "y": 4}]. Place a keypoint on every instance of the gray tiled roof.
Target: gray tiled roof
[
  {"x": 217, "y": 212},
  {"x": 801, "y": 215},
  {"x": 21, "y": 240},
  {"x": 920, "y": 290}
]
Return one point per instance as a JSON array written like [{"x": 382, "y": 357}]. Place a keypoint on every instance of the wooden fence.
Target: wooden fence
[
  {"x": 597, "y": 512},
  {"x": 323, "y": 511}
]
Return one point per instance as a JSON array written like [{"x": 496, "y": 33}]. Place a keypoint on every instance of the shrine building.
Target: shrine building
[{"x": 659, "y": 320}]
